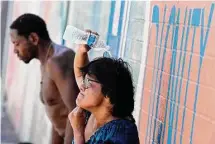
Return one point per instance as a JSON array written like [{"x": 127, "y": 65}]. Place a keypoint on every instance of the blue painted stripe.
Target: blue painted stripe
[
  {"x": 169, "y": 82},
  {"x": 171, "y": 22},
  {"x": 203, "y": 40},
  {"x": 159, "y": 133},
  {"x": 178, "y": 75},
  {"x": 143, "y": 96},
  {"x": 158, "y": 65},
  {"x": 202, "y": 51},
  {"x": 64, "y": 14},
  {"x": 184, "y": 58},
  {"x": 195, "y": 101},
  {"x": 121, "y": 18},
  {"x": 187, "y": 84},
  {"x": 168, "y": 93},
  {"x": 155, "y": 19},
  {"x": 110, "y": 25},
  {"x": 152, "y": 86},
  {"x": 172, "y": 67},
  {"x": 170, "y": 89},
  {"x": 114, "y": 41}
]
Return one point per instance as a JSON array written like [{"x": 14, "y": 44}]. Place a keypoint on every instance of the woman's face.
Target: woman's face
[{"x": 90, "y": 95}]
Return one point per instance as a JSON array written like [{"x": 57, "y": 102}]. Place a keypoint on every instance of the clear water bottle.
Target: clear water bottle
[{"x": 77, "y": 36}]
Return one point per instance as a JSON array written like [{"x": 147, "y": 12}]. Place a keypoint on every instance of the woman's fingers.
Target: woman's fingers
[
  {"x": 89, "y": 31},
  {"x": 76, "y": 112}
]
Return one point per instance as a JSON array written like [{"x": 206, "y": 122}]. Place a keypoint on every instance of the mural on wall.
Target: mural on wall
[{"x": 171, "y": 56}]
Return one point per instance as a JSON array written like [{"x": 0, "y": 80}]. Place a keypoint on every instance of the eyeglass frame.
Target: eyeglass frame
[{"x": 88, "y": 81}]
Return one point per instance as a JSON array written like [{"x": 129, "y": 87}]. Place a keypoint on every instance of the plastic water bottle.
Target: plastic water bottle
[{"x": 77, "y": 36}]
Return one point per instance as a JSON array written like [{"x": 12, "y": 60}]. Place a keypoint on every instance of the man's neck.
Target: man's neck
[{"x": 45, "y": 49}]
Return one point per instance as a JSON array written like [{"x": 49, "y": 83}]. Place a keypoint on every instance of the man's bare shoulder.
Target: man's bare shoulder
[
  {"x": 67, "y": 54},
  {"x": 63, "y": 62}
]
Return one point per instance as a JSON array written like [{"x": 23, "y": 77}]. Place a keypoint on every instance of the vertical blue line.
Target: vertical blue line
[
  {"x": 153, "y": 81},
  {"x": 187, "y": 85},
  {"x": 171, "y": 21},
  {"x": 110, "y": 25},
  {"x": 178, "y": 75},
  {"x": 169, "y": 84},
  {"x": 155, "y": 19},
  {"x": 172, "y": 68},
  {"x": 159, "y": 133},
  {"x": 158, "y": 65},
  {"x": 142, "y": 99},
  {"x": 202, "y": 51},
  {"x": 195, "y": 101},
  {"x": 114, "y": 41},
  {"x": 184, "y": 58},
  {"x": 121, "y": 17},
  {"x": 65, "y": 18}
]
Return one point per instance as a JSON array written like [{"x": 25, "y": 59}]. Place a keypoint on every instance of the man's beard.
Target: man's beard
[{"x": 33, "y": 54}]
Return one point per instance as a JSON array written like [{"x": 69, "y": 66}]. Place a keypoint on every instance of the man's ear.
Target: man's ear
[{"x": 33, "y": 38}]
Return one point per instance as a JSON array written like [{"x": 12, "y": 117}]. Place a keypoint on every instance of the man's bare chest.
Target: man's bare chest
[{"x": 49, "y": 93}]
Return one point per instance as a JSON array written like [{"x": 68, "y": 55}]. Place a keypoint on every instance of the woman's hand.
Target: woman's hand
[
  {"x": 77, "y": 121},
  {"x": 83, "y": 47}
]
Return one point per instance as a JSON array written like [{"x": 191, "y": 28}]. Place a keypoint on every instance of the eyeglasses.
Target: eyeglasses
[{"x": 87, "y": 82}]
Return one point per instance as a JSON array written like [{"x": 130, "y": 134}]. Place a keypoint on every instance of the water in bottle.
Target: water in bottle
[{"x": 77, "y": 36}]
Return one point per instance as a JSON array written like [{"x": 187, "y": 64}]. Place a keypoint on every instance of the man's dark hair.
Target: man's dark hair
[
  {"x": 28, "y": 23},
  {"x": 117, "y": 84}
]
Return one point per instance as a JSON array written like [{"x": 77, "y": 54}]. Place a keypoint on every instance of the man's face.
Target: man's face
[{"x": 23, "y": 47}]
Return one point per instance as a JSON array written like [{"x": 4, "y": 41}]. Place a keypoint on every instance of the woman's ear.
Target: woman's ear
[
  {"x": 108, "y": 102},
  {"x": 106, "y": 91},
  {"x": 33, "y": 38}
]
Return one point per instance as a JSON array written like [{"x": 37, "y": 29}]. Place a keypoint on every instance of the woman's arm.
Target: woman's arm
[
  {"x": 81, "y": 59},
  {"x": 78, "y": 138},
  {"x": 77, "y": 120}
]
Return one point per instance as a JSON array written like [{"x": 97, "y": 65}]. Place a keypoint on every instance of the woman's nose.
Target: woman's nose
[{"x": 82, "y": 87}]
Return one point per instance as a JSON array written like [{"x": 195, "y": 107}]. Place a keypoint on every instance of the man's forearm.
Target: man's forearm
[{"x": 68, "y": 134}]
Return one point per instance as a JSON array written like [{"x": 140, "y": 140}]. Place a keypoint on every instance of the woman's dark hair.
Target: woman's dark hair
[
  {"x": 117, "y": 84},
  {"x": 28, "y": 23}
]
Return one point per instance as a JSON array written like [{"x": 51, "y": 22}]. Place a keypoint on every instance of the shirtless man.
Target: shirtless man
[{"x": 58, "y": 87}]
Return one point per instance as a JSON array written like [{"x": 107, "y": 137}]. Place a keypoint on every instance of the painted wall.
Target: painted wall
[
  {"x": 169, "y": 45},
  {"x": 179, "y": 89}
]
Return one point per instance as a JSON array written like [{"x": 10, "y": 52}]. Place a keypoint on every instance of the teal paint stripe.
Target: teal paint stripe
[
  {"x": 202, "y": 51},
  {"x": 178, "y": 75},
  {"x": 187, "y": 85},
  {"x": 173, "y": 64}
]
